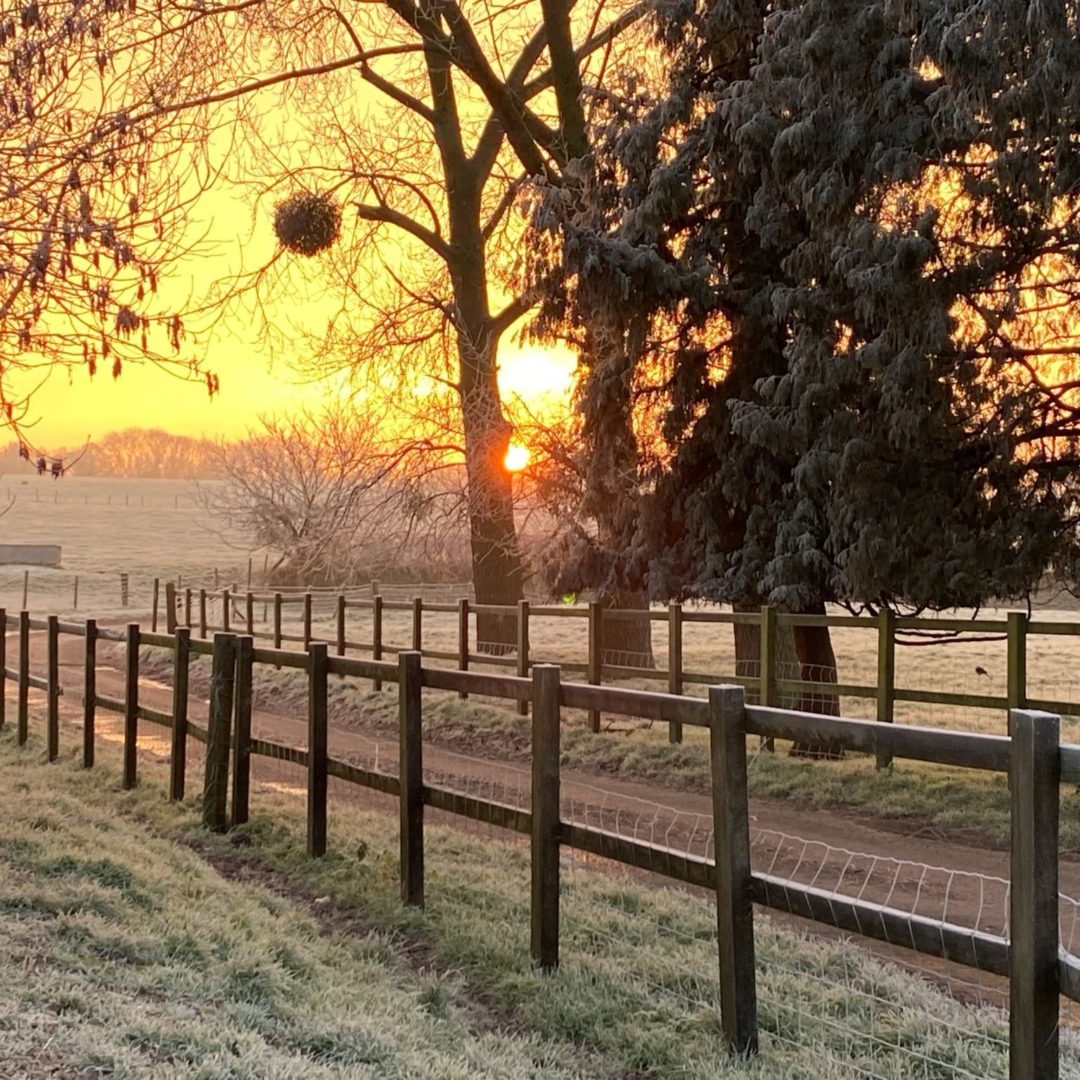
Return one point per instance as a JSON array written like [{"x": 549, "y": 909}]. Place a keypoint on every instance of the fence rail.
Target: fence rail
[
  {"x": 289, "y": 618},
  {"x": 1032, "y": 756}
]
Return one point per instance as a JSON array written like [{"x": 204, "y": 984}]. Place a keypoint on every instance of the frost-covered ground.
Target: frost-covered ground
[{"x": 105, "y": 527}]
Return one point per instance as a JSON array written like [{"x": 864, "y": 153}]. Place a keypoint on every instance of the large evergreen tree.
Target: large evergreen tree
[{"x": 851, "y": 230}]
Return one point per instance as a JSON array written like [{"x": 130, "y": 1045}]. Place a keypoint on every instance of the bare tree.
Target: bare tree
[
  {"x": 421, "y": 122},
  {"x": 96, "y": 187},
  {"x": 329, "y": 495}
]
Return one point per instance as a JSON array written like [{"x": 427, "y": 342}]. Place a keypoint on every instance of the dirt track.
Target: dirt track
[{"x": 937, "y": 877}]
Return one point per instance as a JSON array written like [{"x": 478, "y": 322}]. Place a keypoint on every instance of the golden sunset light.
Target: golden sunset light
[{"x": 517, "y": 458}]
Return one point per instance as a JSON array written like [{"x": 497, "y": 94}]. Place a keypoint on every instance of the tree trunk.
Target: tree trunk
[
  {"x": 817, "y": 663},
  {"x": 627, "y": 642},
  {"x": 496, "y": 560}
]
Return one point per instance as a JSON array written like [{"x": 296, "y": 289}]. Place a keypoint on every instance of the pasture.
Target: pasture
[
  {"x": 152, "y": 528},
  {"x": 142, "y": 946}
]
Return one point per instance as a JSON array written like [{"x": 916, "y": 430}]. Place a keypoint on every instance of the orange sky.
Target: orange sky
[
  {"x": 70, "y": 411},
  {"x": 237, "y": 233}
]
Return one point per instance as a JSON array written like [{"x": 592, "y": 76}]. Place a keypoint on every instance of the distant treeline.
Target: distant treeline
[{"x": 144, "y": 453}]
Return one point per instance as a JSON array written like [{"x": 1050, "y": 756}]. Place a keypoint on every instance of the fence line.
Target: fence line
[
  {"x": 1030, "y": 954},
  {"x": 768, "y": 679}
]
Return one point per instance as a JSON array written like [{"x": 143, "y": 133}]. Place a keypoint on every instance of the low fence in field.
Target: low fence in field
[
  {"x": 1029, "y": 953},
  {"x": 286, "y": 617}
]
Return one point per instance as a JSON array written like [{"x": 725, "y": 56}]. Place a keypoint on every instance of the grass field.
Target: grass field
[
  {"x": 151, "y": 528},
  {"x": 139, "y": 946}
]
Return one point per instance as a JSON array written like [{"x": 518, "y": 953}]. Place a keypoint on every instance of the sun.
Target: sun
[{"x": 517, "y": 457}]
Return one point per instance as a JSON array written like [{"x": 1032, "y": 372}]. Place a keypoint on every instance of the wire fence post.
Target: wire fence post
[
  {"x": 674, "y": 663},
  {"x": 418, "y": 624},
  {"x": 187, "y": 607},
  {"x": 226, "y": 604},
  {"x": 89, "y": 692},
  {"x": 242, "y": 753},
  {"x": 25, "y": 589},
  {"x": 154, "y": 607},
  {"x": 734, "y": 906},
  {"x": 178, "y": 750},
  {"x": 1016, "y": 662},
  {"x": 3, "y": 664},
  {"x": 411, "y": 773},
  {"x": 75, "y": 595},
  {"x": 318, "y": 774},
  {"x": 216, "y": 778},
  {"x": 523, "y": 649},
  {"x": 341, "y": 624},
  {"x": 376, "y": 629},
  {"x": 277, "y": 620},
  {"x": 202, "y": 614},
  {"x": 767, "y": 664},
  {"x": 463, "y": 639},
  {"x": 544, "y": 928},
  {"x": 131, "y": 706},
  {"x": 886, "y": 677},
  {"x": 23, "y": 716},
  {"x": 170, "y": 607},
  {"x": 596, "y": 666},
  {"x": 307, "y": 621},
  {"x": 52, "y": 652},
  {"x": 1035, "y": 776},
  {"x": 249, "y": 612}
]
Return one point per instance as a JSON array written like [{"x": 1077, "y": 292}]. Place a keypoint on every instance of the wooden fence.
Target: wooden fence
[
  {"x": 246, "y": 611},
  {"x": 1035, "y": 761}
]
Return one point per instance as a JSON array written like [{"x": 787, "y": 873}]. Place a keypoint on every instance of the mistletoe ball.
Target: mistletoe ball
[{"x": 307, "y": 224}]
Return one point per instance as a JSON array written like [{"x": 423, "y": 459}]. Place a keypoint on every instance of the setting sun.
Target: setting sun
[{"x": 517, "y": 457}]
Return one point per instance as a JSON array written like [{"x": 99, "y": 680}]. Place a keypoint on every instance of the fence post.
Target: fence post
[
  {"x": 596, "y": 667},
  {"x": 131, "y": 705},
  {"x": 52, "y": 652},
  {"x": 216, "y": 779},
  {"x": 463, "y": 639},
  {"x": 124, "y": 597},
  {"x": 23, "y": 718},
  {"x": 249, "y": 613},
  {"x": 418, "y": 624},
  {"x": 178, "y": 754},
  {"x": 341, "y": 624},
  {"x": 544, "y": 936},
  {"x": 202, "y": 614},
  {"x": 411, "y": 773},
  {"x": 307, "y": 621},
  {"x": 25, "y": 589},
  {"x": 731, "y": 829},
  {"x": 277, "y": 620},
  {"x": 376, "y": 630},
  {"x": 154, "y": 608},
  {"x": 89, "y": 693},
  {"x": 75, "y": 597},
  {"x": 318, "y": 776},
  {"x": 674, "y": 663},
  {"x": 523, "y": 649},
  {"x": 226, "y": 603},
  {"x": 170, "y": 607},
  {"x": 886, "y": 676},
  {"x": 3, "y": 663},
  {"x": 242, "y": 753},
  {"x": 1035, "y": 776},
  {"x": 1016, "y": 661},
  {"x": 187, "y": 607},
  {"x": 767, "y": 665}
]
